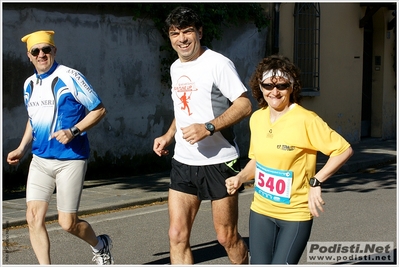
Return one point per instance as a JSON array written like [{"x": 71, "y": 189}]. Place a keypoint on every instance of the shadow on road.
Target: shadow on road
[
  {"x": 202, "y": 253},
  {"x": 355, "y": 182}
]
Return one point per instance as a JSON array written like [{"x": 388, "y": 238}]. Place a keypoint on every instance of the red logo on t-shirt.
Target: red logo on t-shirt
[{"x": 184, "y": 90}]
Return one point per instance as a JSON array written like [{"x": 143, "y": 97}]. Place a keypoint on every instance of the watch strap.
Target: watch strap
[
  {"x": 313, "y": 182},
  {"x": 75, "y": 131},
  {"x": 210, "y": 127}
]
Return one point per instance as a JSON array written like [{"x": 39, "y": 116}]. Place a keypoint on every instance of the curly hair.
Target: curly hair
[{"x": 275, "y": 63}]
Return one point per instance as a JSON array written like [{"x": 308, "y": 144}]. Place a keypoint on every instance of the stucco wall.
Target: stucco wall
[
  {"x": 121, "y": 58},
  {"x": 339, "y": 102},
  {"x": 341, "y": 68}
]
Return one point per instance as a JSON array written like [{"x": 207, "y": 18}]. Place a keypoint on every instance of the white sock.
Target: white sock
[{"x": 99, "y": 245}]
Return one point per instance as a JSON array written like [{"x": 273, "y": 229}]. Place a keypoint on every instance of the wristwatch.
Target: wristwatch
[
  {"x": 210, "y": 127},
  {"x": 313, "y": 182},
  {"x": 75, "y": 131}
]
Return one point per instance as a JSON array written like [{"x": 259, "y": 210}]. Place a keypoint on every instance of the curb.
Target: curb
[
  {"x": 350, "y": 167},
  {"x": 88, "y": 211}
]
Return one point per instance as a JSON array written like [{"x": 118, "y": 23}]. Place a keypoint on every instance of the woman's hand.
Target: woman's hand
[
  {"x": 315, "y": 201},
  {"x": 233, "y": 184}
]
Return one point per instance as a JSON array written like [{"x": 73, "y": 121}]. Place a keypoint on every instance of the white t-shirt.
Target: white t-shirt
[{"x": 201, "y": 91}]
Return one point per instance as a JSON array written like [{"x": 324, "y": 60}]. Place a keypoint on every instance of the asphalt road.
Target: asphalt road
[{"x": 360, "y": 207}]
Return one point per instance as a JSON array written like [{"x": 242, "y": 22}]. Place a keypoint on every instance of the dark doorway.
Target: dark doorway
[{"x": 367, "y": 78}]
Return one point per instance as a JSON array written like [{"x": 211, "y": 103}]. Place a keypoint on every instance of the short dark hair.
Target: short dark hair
[
  {"x": 182, "y": 17},
  {"x": 276, "y": 63}
]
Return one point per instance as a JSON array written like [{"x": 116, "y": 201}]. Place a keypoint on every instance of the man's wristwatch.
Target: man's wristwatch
[
  {"x": 313, "y": 182},
  {"x": 75, "y": 131},
  {"x": 210, "y": 127}
]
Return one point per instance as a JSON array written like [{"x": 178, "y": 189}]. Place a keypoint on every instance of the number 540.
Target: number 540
[{"x": 271, "y": 183}]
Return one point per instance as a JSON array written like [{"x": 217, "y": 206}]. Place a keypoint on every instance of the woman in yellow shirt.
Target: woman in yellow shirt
[{"x": 285, "y": 139}]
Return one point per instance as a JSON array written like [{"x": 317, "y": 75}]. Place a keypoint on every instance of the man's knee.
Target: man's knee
[
  {"x": 178, "y": 235},
  {"x": 68, "y": 222},
  {"x": 235, "y": 247},
  {"x": 35, "y": 214},
  {"x": 228, "y": 238},
  {"x": 33, "y": 219},
  {"x": 67, "y": 226}
]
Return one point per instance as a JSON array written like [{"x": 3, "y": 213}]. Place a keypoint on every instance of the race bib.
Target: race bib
[{"x": 273, "y": 184}]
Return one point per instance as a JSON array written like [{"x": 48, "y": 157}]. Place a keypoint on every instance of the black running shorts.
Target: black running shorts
[{"x": 206, "y": 182}]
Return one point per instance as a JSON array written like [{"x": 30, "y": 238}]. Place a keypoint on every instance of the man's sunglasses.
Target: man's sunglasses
[
  {"x": 270, "y": 86},
  {"x": 35, "y": 52}
]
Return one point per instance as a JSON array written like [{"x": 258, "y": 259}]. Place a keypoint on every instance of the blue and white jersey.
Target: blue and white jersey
[{"x": 57, "y": 100}]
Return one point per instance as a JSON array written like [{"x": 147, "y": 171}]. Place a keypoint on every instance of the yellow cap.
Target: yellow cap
[{"x": 38, "y": 38}]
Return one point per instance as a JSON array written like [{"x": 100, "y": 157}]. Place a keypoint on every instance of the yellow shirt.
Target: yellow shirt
[{"x": 288, "y": 147}]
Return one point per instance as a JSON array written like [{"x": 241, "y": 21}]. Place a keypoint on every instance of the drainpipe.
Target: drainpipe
[{"x": 276, "y": 45}]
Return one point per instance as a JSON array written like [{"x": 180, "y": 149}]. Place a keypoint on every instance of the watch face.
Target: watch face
[
  {"x": 313, "y": 182},
  {"x": 210, "y": 127},
  {"x": 75, "y": 131}
]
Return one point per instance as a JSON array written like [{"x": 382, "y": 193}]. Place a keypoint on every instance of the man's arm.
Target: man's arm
[
  {"x": 15, "y": 155},
  {"x": 240, "y": 108},
  {"x": 160, "y": 143},
  {"x": 64, "y": 136},
  {"x": 92, "y": 118}
]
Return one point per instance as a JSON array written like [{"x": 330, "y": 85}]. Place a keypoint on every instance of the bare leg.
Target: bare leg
[
  {"x": 35, "y": 216},
  {"x": 77, "y": 227},
  {"x": 182, "y": 211},
  {"x": 225, "y": 219}
]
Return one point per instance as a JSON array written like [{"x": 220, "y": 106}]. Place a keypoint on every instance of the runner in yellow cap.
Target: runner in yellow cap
[{"x": 62, "y": 106}]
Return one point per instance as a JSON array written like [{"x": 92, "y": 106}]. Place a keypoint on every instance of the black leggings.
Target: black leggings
[{"x": 273, "y": 241}]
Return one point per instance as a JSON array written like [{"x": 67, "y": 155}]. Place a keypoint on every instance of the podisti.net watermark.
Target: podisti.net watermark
[{"x": 377, "y": 252}]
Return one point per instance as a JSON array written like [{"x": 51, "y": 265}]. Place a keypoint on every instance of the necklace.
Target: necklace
[{"x": 270, "y": 133}]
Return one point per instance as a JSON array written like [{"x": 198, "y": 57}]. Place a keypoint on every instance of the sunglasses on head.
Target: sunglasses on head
[
  {"x": 270, "y": 86},
  {"x": 35, "y": 52}
]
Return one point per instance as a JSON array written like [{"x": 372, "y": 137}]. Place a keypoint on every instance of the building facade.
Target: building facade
[
  {"x": 351, "y": 48},
  {"x": 346, "y": 51}
]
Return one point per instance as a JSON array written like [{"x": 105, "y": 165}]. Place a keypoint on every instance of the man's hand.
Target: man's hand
[
  {"x": 159, "y": 146},
  {"x": 14, "y": 156},
  {"x": 63, "y": 136},
  {"x": 195, "y": 133}
]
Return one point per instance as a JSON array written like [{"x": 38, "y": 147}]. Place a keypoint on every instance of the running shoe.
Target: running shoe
[{"x": 104, "y": 257}]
